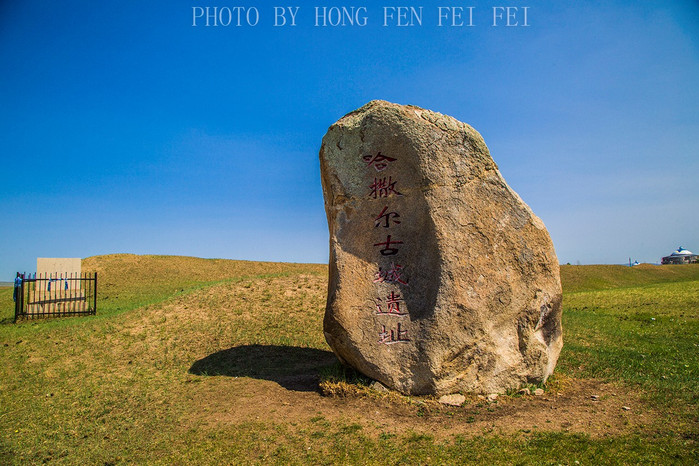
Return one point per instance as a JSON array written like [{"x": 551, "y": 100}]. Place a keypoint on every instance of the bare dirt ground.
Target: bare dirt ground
[{"x": 583, "y": 406}]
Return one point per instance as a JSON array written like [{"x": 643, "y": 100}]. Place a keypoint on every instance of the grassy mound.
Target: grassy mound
[
  {"x": 577, "y": 278},
  {"x": 128, "y": 281}
]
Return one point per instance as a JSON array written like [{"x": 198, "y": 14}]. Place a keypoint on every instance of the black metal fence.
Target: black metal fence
[{"x": 55, "y": 295}]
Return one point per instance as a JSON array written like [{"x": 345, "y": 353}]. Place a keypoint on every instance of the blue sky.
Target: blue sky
[{"x": 124, "y": 128}]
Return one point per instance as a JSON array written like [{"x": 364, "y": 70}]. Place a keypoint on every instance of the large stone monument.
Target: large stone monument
[
  {"x": 61, "y": 269},
  {"x": 441, "y": 278}
]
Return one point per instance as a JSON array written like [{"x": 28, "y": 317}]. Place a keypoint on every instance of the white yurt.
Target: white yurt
[{"x": 681, "y": 256}]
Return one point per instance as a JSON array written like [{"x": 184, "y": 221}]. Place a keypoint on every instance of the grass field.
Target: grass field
[{"x": 194, "y": 361}]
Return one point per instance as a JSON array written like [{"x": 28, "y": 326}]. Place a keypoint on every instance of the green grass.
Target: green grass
[
  {"x": 577, "y": 278},
  {"x": 181, "y": 345}
]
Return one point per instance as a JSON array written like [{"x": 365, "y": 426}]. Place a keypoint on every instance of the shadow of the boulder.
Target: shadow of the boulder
[{"x": 291, "y": 367}]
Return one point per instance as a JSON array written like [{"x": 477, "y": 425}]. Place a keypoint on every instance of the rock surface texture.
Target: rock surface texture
[{"x": 441, "y": 278}]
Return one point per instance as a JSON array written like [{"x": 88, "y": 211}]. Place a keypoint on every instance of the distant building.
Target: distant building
[{"x": 681, "y": 256}]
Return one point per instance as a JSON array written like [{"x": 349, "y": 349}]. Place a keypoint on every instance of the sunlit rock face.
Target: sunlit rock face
[{"x": 441, "y": 278}]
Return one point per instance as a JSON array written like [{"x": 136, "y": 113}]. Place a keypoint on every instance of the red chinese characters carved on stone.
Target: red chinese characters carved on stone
[
  {"x": 378, "y": 161},
  {"x": 389, "y": 337},
  {"x": 383, "y": 187},
  {"x": 393, "y": 301},
  {"x": 385, "y": 218},
  {"x": 388, "y": 250},
  {"x": 392, "y": 275}
]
